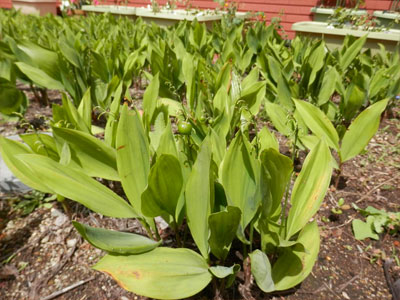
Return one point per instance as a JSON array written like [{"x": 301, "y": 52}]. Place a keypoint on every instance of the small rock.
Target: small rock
[
  {"x": 161, "y": 223},
  {"x": 71, "y": 243},
  {"x": 45, "y": 239},
  {"x": 124, "y": 298},
  {"x": 345, "y": 207},
  {"x": 60, "y": 220},
  {"x": 55, "y": 212}
]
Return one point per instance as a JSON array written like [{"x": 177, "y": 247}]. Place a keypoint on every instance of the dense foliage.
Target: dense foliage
[{"x": 194, "y": 154}]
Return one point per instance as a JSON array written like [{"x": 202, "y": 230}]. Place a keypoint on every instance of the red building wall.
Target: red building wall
[{"x": 290, "y": 11}]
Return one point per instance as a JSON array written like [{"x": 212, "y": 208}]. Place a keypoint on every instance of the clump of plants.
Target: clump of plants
[
  {"x": 346, "y": 18},
  {"x": 377, "y": 221}
]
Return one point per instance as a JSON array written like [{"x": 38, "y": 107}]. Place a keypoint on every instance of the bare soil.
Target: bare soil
[{"x": 42, "y": 254}]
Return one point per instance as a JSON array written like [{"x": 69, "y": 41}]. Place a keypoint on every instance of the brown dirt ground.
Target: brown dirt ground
[{"x": 48, "y": 255}]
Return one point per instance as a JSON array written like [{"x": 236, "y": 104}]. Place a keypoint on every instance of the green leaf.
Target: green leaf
[
  {"x": 279, "y": 117},
  {"x": 115, "y": 241},
  {"x": 352, "y": 101},
  {"x": 276, "y": 171},
  {"x": 42, "y": 144},
  {"x": 261, "y": 270},
  {"x": 150, "y": 100},
  {"x": 223, "y": 226},
  {"x": 296, "y": 263},
  {"x": 9, "y": 150},
  {"x": 164, "y": 188},
  {"x": 133, "y": 157},
  {"x": 11, "y": 99},
  {"x": 76, "y": 185},
  {"x": 72, "y": 115},
  {"x": 349, "y": 54},
  {"x": 363, "y": 230},
  {"x": 310, "y": 188},
  {"x": 39, "y": 57},
  {"x": 223, "y": 272},
  {"x": 284, "y": 95},
  {"x": 167, "y": 143},
  {"x": 199, "y": 198},
  {"x": 39, "y": 77},
  {"x": 94, "y": 156},
  {"x": 361, "y": 130},
  {"x": 267, "y": 140},
  {"x": 328, "y": 86},
  {"x": 240, "y": 178},
  {"x": 85, "y": 109},
  {"x": 163, "y": 273},
  {"x": 318, "y": 122}
]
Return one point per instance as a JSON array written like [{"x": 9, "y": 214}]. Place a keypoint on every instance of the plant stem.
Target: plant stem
[
  {"x": 339, "y": 173},
  {"x": 283, "y": 214},
  {"x": 251, "y": 235},
  {"x": 177, "y": 236},
  {"x": 147, "y": 227},
  {"x": 244, "y": 251}
]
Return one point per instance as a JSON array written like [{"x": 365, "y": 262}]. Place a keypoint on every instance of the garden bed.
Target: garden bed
[{"x": 46, "y": 255}]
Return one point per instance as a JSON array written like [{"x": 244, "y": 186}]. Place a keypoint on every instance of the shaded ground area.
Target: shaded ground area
[{"x": 42, "y": 254}]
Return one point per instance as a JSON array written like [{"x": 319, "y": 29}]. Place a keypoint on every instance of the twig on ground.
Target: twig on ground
[
  {"x": 377, "y": 187},
  {"x": 67, "y": 289},
  {"x": 346, "y": 284}
]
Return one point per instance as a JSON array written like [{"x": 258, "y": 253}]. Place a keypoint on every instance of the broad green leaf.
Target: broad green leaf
[
  {"x": 279, "y": 117},
  {"x": 167, "y": 143},
  {"x": 164, "y": 187},
  {"x": 223, "y": 272},
  {"x": 240, "y": 177},
  {"x": 110, "y": 133},
  {"x": 318, "y": 122},
  {"x": 11, "y": 99},
  {"x": 39, "y": 57},
  {"x": 284, "y": 95},
  {"x": 363, "y": 230},
  {"x": 349, "y": 54},
  {"x": 9, "y": 150},
  {"x": 71, "y": 114},
  {"x": 198, "y": 198},
  {"x": 379, "y": 81},
  {"x": 85, "y": 109},
  {"x": 267, "y": 139},
  {"x": 174, "y": 107},
  {"x": 94, "y": 156},
  {"x": 361, "y": 130},
  {"x": 133, "y": 157},
  {"x": 150, "y": 99},
  {"x": 218, "y": 146},
  {"x": 316, "y": 61},
  {"x": 70, "y": 54},
  {"x": 39, "y": 77},
  {"x": 352, "y": 101},
  {"x": 296, "y": 263},
  {"x": 163, "y": 273},
  {"x": 188, "y": 71},
  {"x": 77, "y": 186},
  {"x": 253, "y": 96},
  {"x": 328, "y": 86},
  {"x": 276, "y": 171},
  {"x": 261, "y": 270},
  {"x": 115, "y": 241},
  {"x": 42, "y": 144},
  {"x": 223, "y": 226},
  {"x": 310, "y": 188}
]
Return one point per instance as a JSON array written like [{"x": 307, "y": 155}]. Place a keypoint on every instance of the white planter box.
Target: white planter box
[{"x": 334, "y": 36}]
